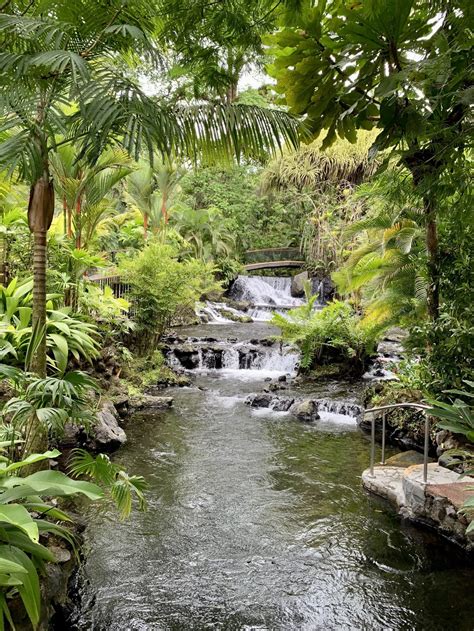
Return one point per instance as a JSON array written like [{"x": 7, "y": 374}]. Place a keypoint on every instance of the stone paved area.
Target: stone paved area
[{"x": 436, "y": 502}]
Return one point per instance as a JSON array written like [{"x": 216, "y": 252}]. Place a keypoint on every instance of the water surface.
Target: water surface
[{"x": 257, "y": 521}]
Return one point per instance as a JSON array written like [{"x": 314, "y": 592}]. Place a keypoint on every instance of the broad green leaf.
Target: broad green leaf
[
  {"x": 18, "y": 516},
  {"x": 32, "y": 459},
  {"x": 30, "y": 589}
]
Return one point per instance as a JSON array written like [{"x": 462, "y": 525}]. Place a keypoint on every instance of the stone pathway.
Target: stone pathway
[{"x": 436, "y": 503}]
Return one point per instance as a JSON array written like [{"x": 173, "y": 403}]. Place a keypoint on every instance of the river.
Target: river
[{"x": 257, "y": 521}]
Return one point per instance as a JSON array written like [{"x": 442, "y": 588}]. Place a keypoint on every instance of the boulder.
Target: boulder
[
  {"x": 306, "y": 410},
  {"x": 107, "y": 435},
  {"x": 150, "y": 403},
  {"x": 297, "y": 284},
  {"x": 261, "y": 400},
  {"x": 282, "y": 405}
]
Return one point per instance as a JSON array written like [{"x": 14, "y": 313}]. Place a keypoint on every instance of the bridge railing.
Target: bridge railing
[{"x": 273, "y": 254}]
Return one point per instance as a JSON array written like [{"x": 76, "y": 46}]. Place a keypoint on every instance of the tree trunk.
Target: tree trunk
[
  {"x": 164, "y": 212},
  {"x": 78, "y": 225},
  {"x": 69, "y": 223},
  {"x": 40, "y": 215},
  {"x": 145, "y": 226},
  {"x": 3, "y": 258},
  {"x": 433, "y": 260},
  {"x": 39, "y": 300}
]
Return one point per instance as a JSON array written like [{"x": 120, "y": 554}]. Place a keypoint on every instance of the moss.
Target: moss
[
  {"x": 235, "y": 317},
  {"x": 143, "y": 372}
]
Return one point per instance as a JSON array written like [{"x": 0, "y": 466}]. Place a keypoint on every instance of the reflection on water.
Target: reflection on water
[{"x": 257, "y": 521}]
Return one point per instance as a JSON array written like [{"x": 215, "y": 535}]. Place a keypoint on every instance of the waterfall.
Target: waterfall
[
  {"x": 265, "y": 295},
  {"x": 222, "y": 355}
]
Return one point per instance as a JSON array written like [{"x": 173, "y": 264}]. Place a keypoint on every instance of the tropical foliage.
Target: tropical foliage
[
  {"x": 161, "y": 285},
  {"x": 333, "y": 334}
]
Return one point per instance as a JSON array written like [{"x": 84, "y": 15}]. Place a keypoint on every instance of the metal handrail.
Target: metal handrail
[{"x": 383, "y": 409}]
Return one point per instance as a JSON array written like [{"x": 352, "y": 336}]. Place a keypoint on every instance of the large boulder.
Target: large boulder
[
  {"x": 306, "y": 410},
  {"x": 107, "y": 435},
  {"x": 297, "y": 284},
  {"x": 259, "y": 400}
]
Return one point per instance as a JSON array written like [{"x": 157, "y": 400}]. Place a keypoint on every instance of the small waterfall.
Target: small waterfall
[
  {"x": 265, "y": 294},
  {"x": 200, "y": 356}
]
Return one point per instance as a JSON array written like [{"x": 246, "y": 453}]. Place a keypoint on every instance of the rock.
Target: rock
[
  {"x": 297, "y": 284},
  {"x": 282, "y": 405},
  {"x": 306, "y": 410},
  {"x": 405, "y": 459},
  {"x": 446, "y": 440},
  {"x": 149, "y": 403},
  {"x": 122, "y": 405},
  {"x": 187, "y": 356},
  {"x": 259, "y": 400},
  {"x": 235, "y": 317},
  {"x": 70, "y": 437},
  {"x": 107, "y": 435},
  {"x": 282, "y": 378},
  {"x": 62, "y": 555}
]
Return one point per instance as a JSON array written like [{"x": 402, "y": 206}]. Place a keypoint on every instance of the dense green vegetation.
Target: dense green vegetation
[{"x": 165, "y": 194}]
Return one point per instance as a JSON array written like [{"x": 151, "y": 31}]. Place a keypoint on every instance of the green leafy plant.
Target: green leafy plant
[
  {"x": 26, "y": 516},
  {"x": 161, "y": 284},
  {"x": 110, "y": 314},
  {"x": 66, "y": 335},
  {"x": 332, "y": 334},
  {"x": 457, "y": 416},
  {"x": 121, "y": 486},
  {"x": 42, "y": 407}
]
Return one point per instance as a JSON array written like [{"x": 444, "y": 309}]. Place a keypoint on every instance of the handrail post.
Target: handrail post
[
  {"x": 372, "y": 448},
  {"x": 383, "y": 437},
  {"x": 426, "y": 448}
]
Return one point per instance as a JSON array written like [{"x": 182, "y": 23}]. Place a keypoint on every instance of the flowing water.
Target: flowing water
[{"x": 257, "y": 521}]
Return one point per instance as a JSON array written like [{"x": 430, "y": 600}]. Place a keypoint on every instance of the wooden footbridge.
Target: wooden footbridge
[{"x": 272, "y": 258}]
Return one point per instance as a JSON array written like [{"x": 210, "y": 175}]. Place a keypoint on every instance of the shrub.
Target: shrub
[
  {"x": 333, "y": 334},
  {"x": 66, "y": 334},
  {"x": 161, "y": 284}
]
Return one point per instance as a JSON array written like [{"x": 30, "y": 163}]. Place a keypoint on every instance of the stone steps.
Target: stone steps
[{"x": 435, "y": 503}]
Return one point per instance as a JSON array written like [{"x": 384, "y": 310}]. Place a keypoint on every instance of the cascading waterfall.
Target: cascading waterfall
[
  {"x": 265, "y": 294},
  {"x": 202, "y": 356}
]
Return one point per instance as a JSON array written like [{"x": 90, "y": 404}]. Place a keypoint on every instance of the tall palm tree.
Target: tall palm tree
[
  {"x": 56, "y": 53},
  {"x": 84, "y": 188},
  {"x": 152, "y": 190}
]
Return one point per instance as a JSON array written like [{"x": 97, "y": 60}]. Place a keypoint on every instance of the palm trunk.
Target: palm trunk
[
  {"x": 145, "y": 226},
  {"x": 164, "y": 212},
  {"x": 40, "y": 215},
  {"x": 69, "y": 223},
  {"x": 64, "y": 215},
  {"x": 433, "y": 260},
  {"x": 39, "y": 300},
  {"x": 3, "y": 258},
  {"x": 78, "y": 225}
]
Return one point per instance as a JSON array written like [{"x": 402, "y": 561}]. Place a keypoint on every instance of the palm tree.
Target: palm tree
[
  {"x": 205, "y": 231},
  {"x": 56, "y": 53},
  {"x": 152, "y": 190},
  {"x": 85, "y": 189}
]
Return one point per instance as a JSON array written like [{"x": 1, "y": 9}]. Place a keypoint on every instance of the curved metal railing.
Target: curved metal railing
[{"x": 383, "y": 409}]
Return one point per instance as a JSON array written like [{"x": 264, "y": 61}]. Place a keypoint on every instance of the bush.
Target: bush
[
  {"x": 332, "y": 335},
  {"x": 66, "y": 334},
  {"x": 160, "y": 285}
]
